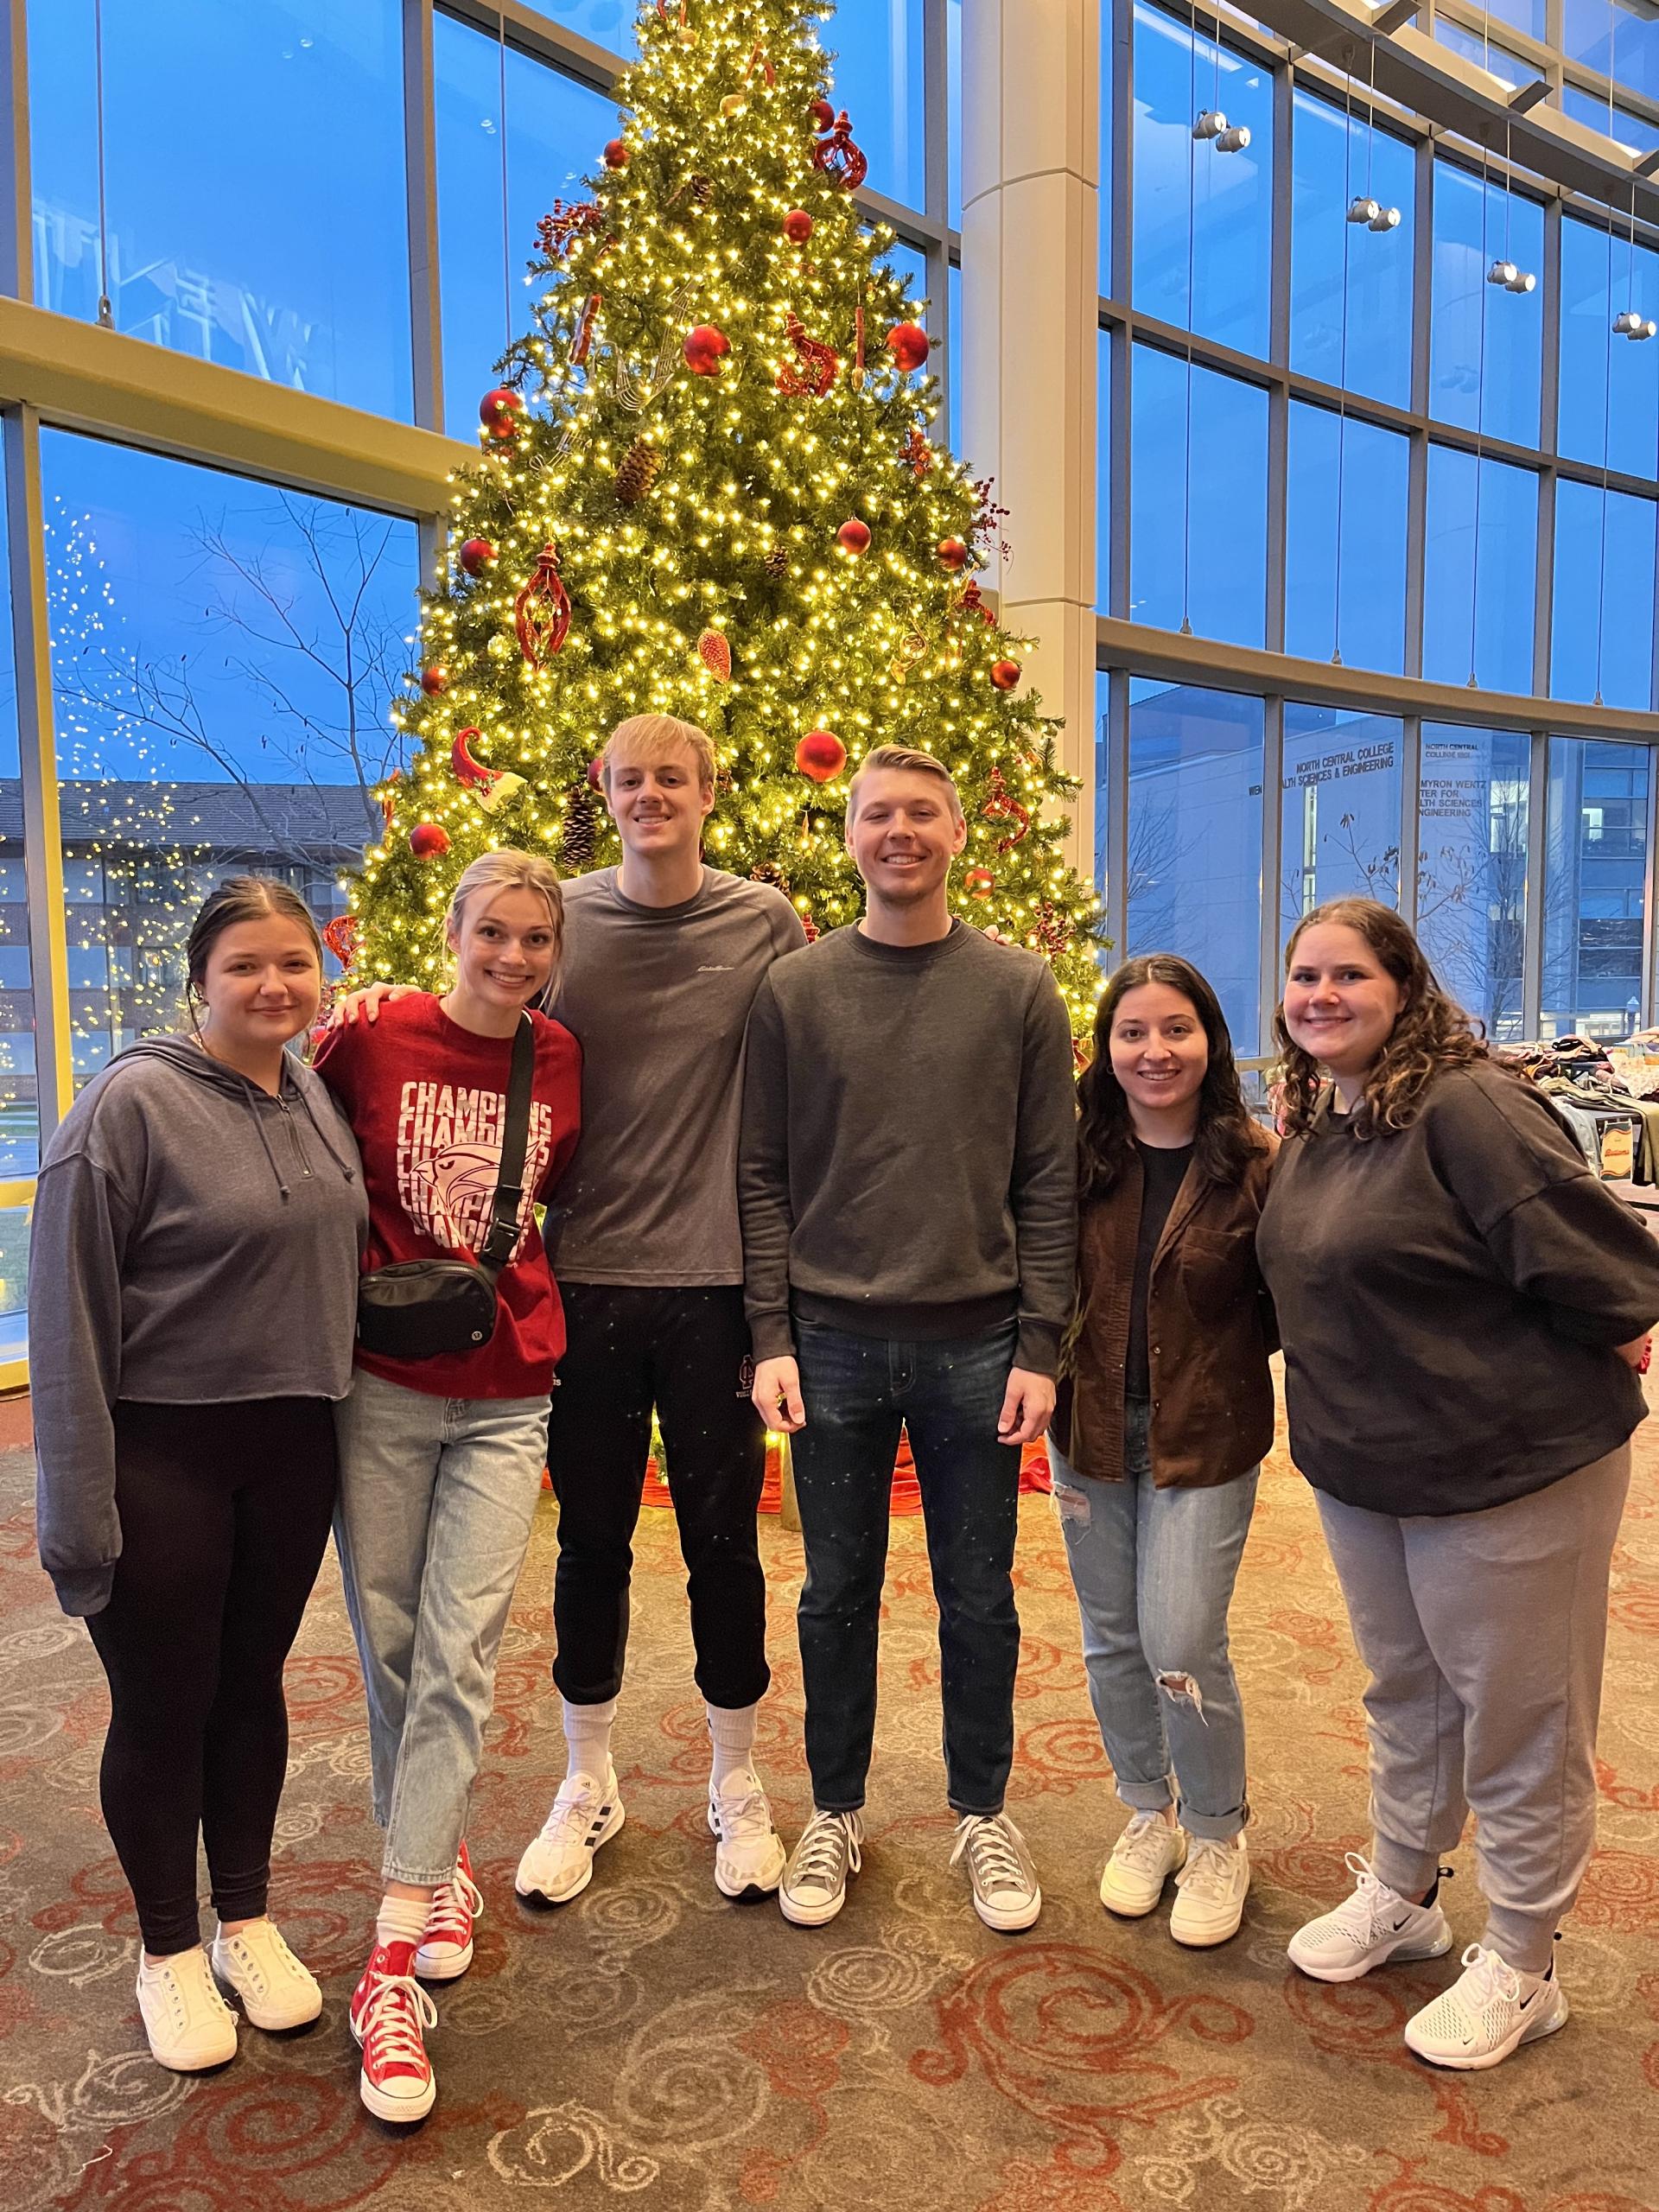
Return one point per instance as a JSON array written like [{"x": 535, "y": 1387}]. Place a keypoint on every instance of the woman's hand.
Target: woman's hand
[
  {"x": 1636, "y": 1353},
  {"x": 366, "y": 1003}
]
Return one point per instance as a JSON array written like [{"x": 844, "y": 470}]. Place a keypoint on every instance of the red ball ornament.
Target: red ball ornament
[
  {"x": 499, "y": 411},
  {"x": 476, "y": 555},
  {"x": 596, "y": 771},
  {"x": 823, "y": 115},
  {"x": 908, "y": 343},
  {"x": 854, "y": 535},
  {"x": 953, "y": 554},
  {"x": 798, "y": 226},
  {"x": 1005, "y": 674},
  {"x": 979, "y": 883},
  {"x": 820, "y": 755},
  {"x": 435, "y": 682},
  {"x": 616, "y": 154},
  {"x": 428, "y": 840},
  {"x": 704, "y": 349}
]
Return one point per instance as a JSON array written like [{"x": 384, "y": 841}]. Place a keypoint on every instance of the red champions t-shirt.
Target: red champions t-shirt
[{"x": 426, "y": 1100}]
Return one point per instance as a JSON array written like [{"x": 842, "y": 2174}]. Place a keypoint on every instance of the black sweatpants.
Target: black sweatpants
[
  {"x": 686, "y": 1352},
  {"x": 225, "y": 1512}
]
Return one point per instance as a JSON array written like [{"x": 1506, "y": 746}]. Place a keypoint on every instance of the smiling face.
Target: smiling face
[
  {"x": 659, "y": 805},
  {"x": 1160, "y": 1052},
  {"x": 262, "y": 984},
  {"x": 506, "y": 942},
  {"x": 1341, "y": 1003},
  {"x": 905, "y": 835}
]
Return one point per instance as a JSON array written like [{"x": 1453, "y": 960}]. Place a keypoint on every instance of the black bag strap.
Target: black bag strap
[{"x": 497, "y": 1246}]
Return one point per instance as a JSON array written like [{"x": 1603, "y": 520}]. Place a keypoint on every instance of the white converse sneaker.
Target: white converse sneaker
[
  {"x": 1006, "y": 1891},
  {"x": 559, "y": 1864},
  {"x": 1210, "y": 1891},
  {"x": 1369, "y": 1929},
  {"x": 276, "y": 1990},
  {"x": 1489, "y": 2010},
  {"x": 188, "y": 2023},
  {"x": 1144, "y": 1857},
  {"x": 814, "y": 1887},
  {"x": 748, "y": 1850}
]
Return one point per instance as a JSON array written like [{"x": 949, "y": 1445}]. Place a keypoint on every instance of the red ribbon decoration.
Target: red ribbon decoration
[
  {"x": 342, "y": 936},
  {"x": 582, "y": 336},
  {"x": 764, "y": 59},
  {"x": 972, "y": 603},
  {"x": 388, "y": 803},
  {"x": 541, "y": 614},
  {"x": 1003, "y": 806},
  {"x": 815, "y": 366},
  {"x": 837, "y": 155}
]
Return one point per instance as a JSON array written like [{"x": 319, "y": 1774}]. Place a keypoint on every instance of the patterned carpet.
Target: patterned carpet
[{"x": 654, "y": 2046}]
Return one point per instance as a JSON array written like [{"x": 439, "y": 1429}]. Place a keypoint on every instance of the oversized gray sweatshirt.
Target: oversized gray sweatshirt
[
  {"x": 195, "y": 1241},
  {"x": 908, "y": 1164}
]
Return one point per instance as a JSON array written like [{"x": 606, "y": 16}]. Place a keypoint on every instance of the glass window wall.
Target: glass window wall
[
  {"x": 1471, "y": 867},
  {"x": 1479, "y": 571},
  {"x": 1610, "y": 400},
  {"x": 1350, "y": 290},
  {"x": 19, "y": 1109},
  {"x": 1604, "y": 544},
  {"x": 878, "y": 81},
  {"x": 1340, "y": 825},
  {"x": 1197, "y": 499},
  {"x": 1595, "y": 887},
  {"x": 1619, "y": 38},
  {"x": 1346, "y": 539},
  {"x": 1485, "y": 342}
]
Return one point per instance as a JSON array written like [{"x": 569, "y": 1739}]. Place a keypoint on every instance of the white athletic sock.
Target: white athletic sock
[
  {"x": 731, "y": 1730},
  {"x": 401, "y": 1920},
  {"x": 587, "y": 1735}
]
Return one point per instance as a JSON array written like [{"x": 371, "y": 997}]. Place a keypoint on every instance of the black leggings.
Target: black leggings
[{"x": 224, "y": 1513}]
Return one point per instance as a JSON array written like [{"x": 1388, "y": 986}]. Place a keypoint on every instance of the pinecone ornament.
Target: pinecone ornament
[
  {"x": 776, "y": 563},
  {"x": 769, "y": 871},
  {"x": 637, "y": 471},
  {"x": 579, "y": 842}
]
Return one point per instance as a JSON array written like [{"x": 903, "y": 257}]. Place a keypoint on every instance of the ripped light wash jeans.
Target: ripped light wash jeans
[{"x": 1154, "y": 1570}]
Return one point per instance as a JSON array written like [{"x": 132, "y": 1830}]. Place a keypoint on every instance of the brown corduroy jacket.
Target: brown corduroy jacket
[{"x": 1210, "y": 1329}]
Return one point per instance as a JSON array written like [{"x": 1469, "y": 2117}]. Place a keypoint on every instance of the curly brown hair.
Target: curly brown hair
[{"x": 1431, "y": 1033}]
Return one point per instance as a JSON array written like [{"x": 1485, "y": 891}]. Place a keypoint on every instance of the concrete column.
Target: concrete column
[{"x": 1030, "y": 230}]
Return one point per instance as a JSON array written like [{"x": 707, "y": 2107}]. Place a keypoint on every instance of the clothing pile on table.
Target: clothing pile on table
[{"x": 1607, "y": 1094}]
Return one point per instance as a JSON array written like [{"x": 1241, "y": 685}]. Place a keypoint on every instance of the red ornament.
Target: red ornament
[
  {"x": 973, "y": 602},
  {"x": 716, "y": 652},
  {"x": 435, "y": 682},
  {"x": 837, "y": 155},
  {"x": 566, "y": 226},
  {"x": 813, "y": 369},
  {"x": 823, "y": 115},
  {"x": 596, "y": 771},
  {"x": 616, "y": 154},
  {"x": 541, "y": 614},
  {"x": 918, "y": 453},
  {"x": 1003, "y": 806},
  {"x": 820, "y": 755},
  {"x": 1005, "y": 674},
  {"x": 582, "y": 335},
  {"x": 979, "y": 883},
  {"x": 477, "y": 555},
  {"x": 490, "y": 787},
  {"x": 499, "y": 411},
  {"x": 428, "y": 840},
  {"x": 953, "y": 554},
  {"x": 798, "y": 226},
  {"x": 854, "y": 535},
  {"x": 342, "y": 936},
  {"x": 705, "y": 347},
  {"x": 908, "y": 344}
]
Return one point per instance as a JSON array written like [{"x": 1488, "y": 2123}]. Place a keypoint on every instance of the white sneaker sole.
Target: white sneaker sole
[
  {"x": 584, "y": 1873},
  {"x": 1205, "y": 1939},
  {"x": 399, "y": 2111},
  {"x": 1529, "y": 2031},
  {"x": 1402, "y": 1953},
  {"x": 1008, "y": 1920},
  {"x": 270, "y": 2024},
  {"x": 812, "y": 1915},
  {"x": 447, "y": 1966},
  {"x": 756, "y": 1887},
  {"x": 178, "y": 2064}
]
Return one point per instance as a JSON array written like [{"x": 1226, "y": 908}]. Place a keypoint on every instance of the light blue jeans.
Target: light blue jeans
[
  {"x": 436, "y": 1499},
  {"x": 1154, "y": 1570}
]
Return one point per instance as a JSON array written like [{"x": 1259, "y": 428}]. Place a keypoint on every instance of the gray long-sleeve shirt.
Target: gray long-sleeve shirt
[{"x": 908, "y": 1162}]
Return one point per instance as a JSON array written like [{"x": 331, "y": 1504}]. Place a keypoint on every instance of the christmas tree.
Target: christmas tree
[{"x": 708, "y": 490}]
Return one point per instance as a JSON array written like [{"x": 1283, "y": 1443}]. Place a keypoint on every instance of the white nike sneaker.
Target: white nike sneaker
[
  {"x": 1489, "y": 2010},
  {"x": 1373, "y": 1927},
  {"x": 559, "y": 1864},
  {"x": 748, "y": 1851},
  {"x": 1144, "y": 1857}
]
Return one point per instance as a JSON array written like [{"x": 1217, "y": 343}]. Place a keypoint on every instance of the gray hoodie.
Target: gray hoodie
[{"x": 195, "y": 1241}]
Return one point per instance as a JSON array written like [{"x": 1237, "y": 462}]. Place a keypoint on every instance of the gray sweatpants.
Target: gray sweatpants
[{"x": 1485, "y": 1634}]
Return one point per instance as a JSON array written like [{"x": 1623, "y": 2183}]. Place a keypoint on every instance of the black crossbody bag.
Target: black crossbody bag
[{"x": 419, "y": 1309}]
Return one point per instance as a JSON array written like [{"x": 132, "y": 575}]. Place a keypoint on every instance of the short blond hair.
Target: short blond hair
[
  {"x": 653, "y": 737},
  {"x": 509, "y": 870},
  {"x": 908, "y": 758}
]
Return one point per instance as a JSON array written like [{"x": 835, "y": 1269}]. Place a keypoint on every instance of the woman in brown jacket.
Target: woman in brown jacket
[{"x": 1165, "y": 1414}]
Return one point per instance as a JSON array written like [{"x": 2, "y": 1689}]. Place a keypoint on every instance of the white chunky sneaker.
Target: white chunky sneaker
[
  {"x": 1369, "y": 1929},
  {"x": 559, "y": 1864},
  {"x": 1489, "y": 2010},
  {"x": 1006, "y": 1891},
  {"x": 446, "y": 1949},
  {"x": 276, "y": 1990},
  {"x": 748, "y": 1850},
  {"x": 814, "y": 1887},
  {"x": 1144, "y": 1857},
  {"x": 1210, "y": 1890},
  {"x": 188, "y": 2023}
]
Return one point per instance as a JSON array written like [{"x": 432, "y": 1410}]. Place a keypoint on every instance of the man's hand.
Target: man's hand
[
  {"x": 1027, "y": 1404},
  {"x": 366, "y": 1003},
  {"x": 1635, "y": 1354},
  {"x": 777, "y": 1395}
]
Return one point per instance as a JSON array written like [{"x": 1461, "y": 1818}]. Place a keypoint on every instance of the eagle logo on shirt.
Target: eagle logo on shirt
[{"x": 450, "y": 1157}]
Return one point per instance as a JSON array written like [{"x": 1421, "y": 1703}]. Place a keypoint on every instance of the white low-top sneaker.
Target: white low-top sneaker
[
  {"x": 814, "y": 1887},
  {"x": 276, "y": 1990},
  {"x": 188, "y": 2023},
  {"x": 1210, "y": 1890},
  {"x": 559, "y": 1864},
  {"x": 1144, "y": 1857},
  {"x": 748, "y": 1850},
  {"x": 1006, "y": 1891},
  {"x": 1489, "y": 2010},
  {"x": 1369, "y": 1929}
]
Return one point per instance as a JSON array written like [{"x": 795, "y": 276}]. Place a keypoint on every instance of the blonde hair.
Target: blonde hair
[
  {"x": 903, "y": 757},
  {"x": 653, "y": 737},
  {"x": 509, "y": 870}
]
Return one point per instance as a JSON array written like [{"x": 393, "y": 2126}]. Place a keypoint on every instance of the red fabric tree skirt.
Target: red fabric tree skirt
[{"x": 906, "y": 1493}]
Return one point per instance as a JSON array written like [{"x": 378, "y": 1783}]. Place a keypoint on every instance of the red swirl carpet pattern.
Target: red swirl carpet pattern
[{"x": 650, "y": 2045}]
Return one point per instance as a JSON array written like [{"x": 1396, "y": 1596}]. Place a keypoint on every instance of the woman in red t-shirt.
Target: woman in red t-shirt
[{"x": 441, "y": 1459}]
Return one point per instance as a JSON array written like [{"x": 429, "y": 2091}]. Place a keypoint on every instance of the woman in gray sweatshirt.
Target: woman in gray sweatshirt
[{"x": 193, "y": 1280}]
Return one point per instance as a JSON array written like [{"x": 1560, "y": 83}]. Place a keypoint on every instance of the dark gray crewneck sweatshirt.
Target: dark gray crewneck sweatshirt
[{"x": 908, "y": 1163}]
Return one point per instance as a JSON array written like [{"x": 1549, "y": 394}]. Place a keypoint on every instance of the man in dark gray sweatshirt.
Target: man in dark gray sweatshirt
[{"x": 908, "y": 1179}]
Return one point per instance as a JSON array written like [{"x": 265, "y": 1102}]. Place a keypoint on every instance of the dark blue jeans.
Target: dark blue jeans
[{"x": 859, "y": 1393}]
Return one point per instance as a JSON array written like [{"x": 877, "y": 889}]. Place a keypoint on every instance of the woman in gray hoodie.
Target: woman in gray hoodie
[{"x": 193, "y": 1280}]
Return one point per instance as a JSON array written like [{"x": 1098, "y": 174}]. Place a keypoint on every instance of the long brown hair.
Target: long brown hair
[
  {"x": 1431, "y": 1032},
  {"x": 240, "y": 898},
  {"x": 1226, "y": 1139}
]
